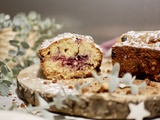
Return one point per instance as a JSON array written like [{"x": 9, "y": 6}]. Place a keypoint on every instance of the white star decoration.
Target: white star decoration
[{"x": 137, "y": 112}]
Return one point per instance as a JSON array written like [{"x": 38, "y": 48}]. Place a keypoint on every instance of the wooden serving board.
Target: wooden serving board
[{"x": 92, "y": 103}]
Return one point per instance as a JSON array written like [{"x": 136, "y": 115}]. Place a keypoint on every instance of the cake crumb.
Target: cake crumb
[
  {"x": 70, "y": 87},
  {"x": 84, "y": 90},
  {"x": 54, "y": 81},
  {"x": 128, "y": 92},
  {"x": 10, "y": 94},
  {"x": 23, "y": 105},
  {"x": 80, "y": 82},
  {"x": 150, "y": 83},
  {"x": 46, "y": 82},
  {"x": 108, "y": 71}
]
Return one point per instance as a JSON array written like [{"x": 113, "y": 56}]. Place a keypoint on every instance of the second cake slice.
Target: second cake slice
[{"x": 138, "y": 52}]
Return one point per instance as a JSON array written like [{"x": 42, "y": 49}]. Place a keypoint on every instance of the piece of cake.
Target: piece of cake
[
  {"x": 69, "y": 56},
  {"x": 138, "y": 52}
]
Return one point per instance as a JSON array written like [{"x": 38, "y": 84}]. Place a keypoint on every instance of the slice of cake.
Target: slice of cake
[
  {"x": 138, "y": 52},
  {"x": 69, "y": 56}
]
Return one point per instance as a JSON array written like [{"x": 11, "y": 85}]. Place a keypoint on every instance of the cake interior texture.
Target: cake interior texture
[
  {"x": 70, "y": 57},
  {"x": 138, "y": 52}
]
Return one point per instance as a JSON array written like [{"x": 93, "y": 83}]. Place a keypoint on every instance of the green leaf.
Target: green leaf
[
  {"x": 15, "y": 28},
  {"x": 4, "y": 89},
  {"x": 115, "y": 70},
  {"x": 114, "y": 80},
  {"x": 1, "y": 81},
  {"x": 28, "y": 63},
  {"x": 7, "y": 59},
  {"x": 25, "y": 45},
  {"x": 6, "y": 24},
  {"x": 7, "y": 17},
  {"x": 25, "y": 29},
  {"x": 10, "y": 74},
  {"x": 14, "y": 43},
  {"x": 15, "y": 71},
  {"x": 47, "y": 23},
  {"x": 134, "y": 89},
  {"x": 58, "y": 101},
  {"x": 4, "y": 70},
  {"x": 113, "y": 83},
  {"x": 18, "y": 66},
  {"x": 73, "y": 97},
  {"x": 11, "y": 108},
  {"x": 12, "y": 52},
  {"x": 47, "y": 115},
  {"x": 15, "y": 59},
  {"x": 21, "y": 53},
  {"x": 2, "y": 18},
  {"x": 17, "y": 21},
  {"x": 143, "y": 85},
  {"x": 42, "y": 102},
  {"x": 2, "y": 63},
  {"x": 127, "y": 79},
  {"x": 8, "y": 82},
  {"x": 32, "y": 15}
]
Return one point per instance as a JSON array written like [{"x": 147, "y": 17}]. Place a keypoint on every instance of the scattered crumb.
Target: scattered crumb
[
  {"x": 23, "y": 105},
  {"x": 128, "y": 92},
  {"x": 147, "y": 81},
  {"x": 70, "y": 87},
  {"x": 54, "y": 81},
  {"x": 155, "y": 92},
  {"x": 117, "y": 92},
  {"x": 150, "y": 83},
  {"x": 80, "y": 82},
  {"x": 46, "y": 82},
  {"x": 10, "y": 94},
  {"x": 84, "y": 90},
  {"x": 14, "y": 102},
  {"x": 108, "y": 71},
  {"x": 140, "y": 92},
  {"x": 104, "y": 88}
]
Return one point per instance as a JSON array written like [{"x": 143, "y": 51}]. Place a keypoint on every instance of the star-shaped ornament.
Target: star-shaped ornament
[{"x": 137, "y": 112}]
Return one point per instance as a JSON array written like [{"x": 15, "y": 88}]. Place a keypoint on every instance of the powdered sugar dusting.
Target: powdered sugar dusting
[
  {"x": 143, "y": 39},
  {"x": 74, "y": 37},
  {"x": 39, "y": 84}
]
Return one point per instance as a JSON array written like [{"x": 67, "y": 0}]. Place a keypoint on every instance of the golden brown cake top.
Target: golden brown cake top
[
  {"x": 74, "y": 37},
  {"x": 142, "y": 39}
]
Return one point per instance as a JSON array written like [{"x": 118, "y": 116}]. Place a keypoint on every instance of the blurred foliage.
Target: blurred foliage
[{"x": 30, "y": 31}]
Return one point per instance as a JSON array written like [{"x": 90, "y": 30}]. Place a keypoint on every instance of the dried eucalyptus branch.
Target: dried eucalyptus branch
[{"x": 30, "y": 30}]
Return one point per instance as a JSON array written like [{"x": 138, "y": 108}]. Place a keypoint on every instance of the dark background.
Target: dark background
[{"x": 102, "y": 19}]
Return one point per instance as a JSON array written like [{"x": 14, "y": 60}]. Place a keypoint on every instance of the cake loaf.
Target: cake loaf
[
  {"x": 138, "y": 52},
  {"x": 69, "y": 56}
]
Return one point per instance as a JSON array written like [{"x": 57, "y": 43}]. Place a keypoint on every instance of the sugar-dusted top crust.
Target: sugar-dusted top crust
[
  {"x": 141, "y": 39},
  {"x": 74, "y": 37}
]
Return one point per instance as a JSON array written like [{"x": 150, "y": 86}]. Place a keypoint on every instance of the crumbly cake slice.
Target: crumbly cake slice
[
  {"x": 69, "y": 56},
  {"x": 138, "y": 52}
]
